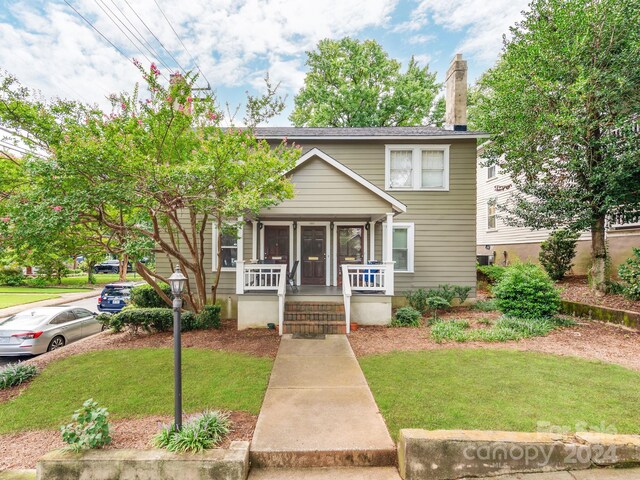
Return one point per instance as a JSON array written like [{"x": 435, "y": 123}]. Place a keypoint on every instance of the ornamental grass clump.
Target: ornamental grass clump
[
  {"x": 203, "y": 431},
  {"x": 15, "y": 374},
  {"x": 526, "y": 291}
]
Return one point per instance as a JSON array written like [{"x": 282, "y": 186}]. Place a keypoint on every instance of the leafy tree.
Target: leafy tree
[
  {"x": 156, "y": 172},
  {"x": 355, "y": 84},
  {"x": 561, "y": 104}
]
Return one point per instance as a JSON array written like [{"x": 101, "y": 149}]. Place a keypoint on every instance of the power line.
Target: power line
[
  {"x": 138, "y": 36},
  {"x": 182, "y": 43},
  {"x": 154, "y": 35}
]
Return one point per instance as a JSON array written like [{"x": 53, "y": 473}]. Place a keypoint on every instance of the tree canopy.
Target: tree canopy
[
  {"x": 356, "y": 84},
  {"x": 562, "y": 105},
  {"x": 155, "y": 173}
]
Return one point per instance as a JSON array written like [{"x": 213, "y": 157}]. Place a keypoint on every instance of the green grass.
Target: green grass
[
  {"x": 484, "y": 389},
  {"x": 45, "y": 290},
  {"x": 101, "y": 279},
  {"x": 12, "y": 299},
  {"x": 138, "y": 382}
]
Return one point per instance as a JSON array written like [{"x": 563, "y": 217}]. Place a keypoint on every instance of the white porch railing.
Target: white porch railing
[
  {"x": 365, "y": 278},
  {"x": 263, "y": 278}
]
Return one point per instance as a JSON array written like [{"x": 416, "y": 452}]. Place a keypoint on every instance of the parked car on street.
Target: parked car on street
[
  {"x": 115, "y": 296},
  {"x": 44, "y": 329},
  {"x": 110, "y": 266}
]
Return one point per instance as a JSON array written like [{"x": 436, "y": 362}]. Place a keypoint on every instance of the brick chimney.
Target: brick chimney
[{"x": 456, "y": 94}]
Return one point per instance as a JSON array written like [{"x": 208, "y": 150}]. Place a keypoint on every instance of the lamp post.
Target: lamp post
[{"x": 177, "y": 281}]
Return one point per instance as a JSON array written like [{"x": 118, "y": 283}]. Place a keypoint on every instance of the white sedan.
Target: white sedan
[{"x": 40, "y": 330}]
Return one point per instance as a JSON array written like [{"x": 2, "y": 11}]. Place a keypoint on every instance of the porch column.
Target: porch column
[
  {"x": 240, "y": 260},
  {"x": 388, "y": 256},
  {"x": 372, "y": 241},
  {"x": 254, "y": 240}
]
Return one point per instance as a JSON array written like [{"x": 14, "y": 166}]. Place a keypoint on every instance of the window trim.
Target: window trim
[
  {"x": 214, "y": 251},
  {"x": 495, "y": 172},
  {"x": 492, "y": 202},
  {"x": 416, "y": 159},
  {"x": 411, "y": 229}
]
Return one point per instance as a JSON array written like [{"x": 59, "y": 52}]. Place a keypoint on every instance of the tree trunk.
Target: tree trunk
[
  {"x": 124, "y": 263},
  {"x": 598, "y": 273}
]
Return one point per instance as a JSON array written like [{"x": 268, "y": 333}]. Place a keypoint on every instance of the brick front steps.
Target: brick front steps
[{"x": 314, "y": 318}]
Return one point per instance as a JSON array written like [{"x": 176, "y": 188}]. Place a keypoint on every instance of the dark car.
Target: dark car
[
  {"x": 115, "y": 296},
  {"x": 110, "y": 266}
]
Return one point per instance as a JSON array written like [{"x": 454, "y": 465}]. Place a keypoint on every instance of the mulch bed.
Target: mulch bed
[
  {"x": 576, "y": 289},
  {"x": 22, "y": 450},
  {"x": 592, "y": 340}
]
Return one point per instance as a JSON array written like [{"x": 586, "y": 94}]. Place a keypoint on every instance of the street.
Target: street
[{"x": 88, "y": 303}]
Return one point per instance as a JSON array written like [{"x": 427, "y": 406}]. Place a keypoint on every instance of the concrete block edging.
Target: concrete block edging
[
  {"x": 125, "y": 464},
  {"x": 453, "y": 454}
]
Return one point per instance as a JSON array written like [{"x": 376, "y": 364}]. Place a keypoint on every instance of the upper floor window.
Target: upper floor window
[
  {"x": 491, "y": 214},
  {"x": 417, "y": 167},
  {"x": 491, "y": 172}
]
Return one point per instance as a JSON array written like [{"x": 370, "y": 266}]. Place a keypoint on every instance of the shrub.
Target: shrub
[
  {"x": 492, "y": 273},
  {"x": 11, "y": 276},
  {"x": 526, "y": 291},
  {"x": 150, "y": 319},
  {"x": 407, "y": 317},
  {"x": 461, "y": 293},
  {"x": 209, "y": 316},
  {"x": 436, "y": 303},
  {"x": 36, "y": 282},
  {"x": 485, "y": 305},
  {"x": 557, "y": 252},
  {"x": 417, "y": 299},
  {"x": 89, "y": 429},
  {"x": 629, "y": 272},
  {"x": 105, "y": 319},
  {"x": 144, "y": 296},
  {"x": 201, "y": 432},
  {"x": 15, "y": 374}
]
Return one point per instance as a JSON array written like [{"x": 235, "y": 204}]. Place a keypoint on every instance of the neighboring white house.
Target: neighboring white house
[{"x": 507, "y": 243}]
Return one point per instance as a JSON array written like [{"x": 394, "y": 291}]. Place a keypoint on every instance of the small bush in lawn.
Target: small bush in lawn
[
  {"x": 15, "y": 374},
  {"x": 437, "y": 303},
  {"x": 144, "y": 296},
  {"x": 201, "y": 432},
  {"x": 526, "y": 291},
  {"x": 629, "y": 273},
  {"x": 557, "y": 252},
  {"x": 150, "y": 320},
  {"x": 493, "y": 273},
  {"x": 407, "y": 317},
  {"x": 209, "y": 316},
  {"x": 89, "y": 429},
  {"x": 417, "y": 299},
  {"x": 461, "y": 293},
  {"x": 36, "y": 282},
  {"x": 485, "y": 305}
]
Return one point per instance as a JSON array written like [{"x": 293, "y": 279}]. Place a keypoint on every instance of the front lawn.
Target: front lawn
[
  {"x": 101, "y": 279},
  {"x": 12, "y": 299},
  {"x": 44, "y": 290},
  {"x": 139, "y": 382},
  {"x": 486, "y": 389}
]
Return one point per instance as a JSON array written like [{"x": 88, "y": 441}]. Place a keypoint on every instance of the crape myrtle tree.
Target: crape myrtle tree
[
  {"x": 562, "y": 107},
  {"x": 155, "y": 172},
  {"x": 352, "y": 83}
]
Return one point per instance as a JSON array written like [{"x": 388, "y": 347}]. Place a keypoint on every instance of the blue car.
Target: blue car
[{"x": 115, "y": 296}]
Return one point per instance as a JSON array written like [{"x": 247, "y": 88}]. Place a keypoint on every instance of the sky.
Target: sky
[{"x": 233, "y": 43}]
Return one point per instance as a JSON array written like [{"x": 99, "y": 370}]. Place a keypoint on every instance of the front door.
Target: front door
[
  {"x": 350, "y": 247},
  {"x": 313, "y": 255},
  {"x": 276, "y": 244}
]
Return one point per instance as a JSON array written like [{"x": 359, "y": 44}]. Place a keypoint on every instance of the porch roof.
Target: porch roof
[{"x": 325, "y": 187}]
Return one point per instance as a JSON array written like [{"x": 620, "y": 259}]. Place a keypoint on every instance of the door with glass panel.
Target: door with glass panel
[{"x": 350, "y": 247}]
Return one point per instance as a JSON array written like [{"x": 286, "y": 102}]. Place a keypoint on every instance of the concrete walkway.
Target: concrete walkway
[{"x": 319, "y": 411}]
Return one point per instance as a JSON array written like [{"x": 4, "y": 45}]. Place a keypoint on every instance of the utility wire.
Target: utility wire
[
  {"x": 154, "y": 36},
  {"x": 181, "y": 42},
  {"x": 138, "y": 36}
]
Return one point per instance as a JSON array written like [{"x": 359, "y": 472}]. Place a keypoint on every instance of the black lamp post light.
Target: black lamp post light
[{"x": 177, "y": 281}]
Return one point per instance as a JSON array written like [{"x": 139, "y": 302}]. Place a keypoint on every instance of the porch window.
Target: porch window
[
  {"x": 231, "y": 242},
  {"x": 417, "y": 167},
  {"x": 491, "y": 214},
  {"x": 402, "y": 247}
]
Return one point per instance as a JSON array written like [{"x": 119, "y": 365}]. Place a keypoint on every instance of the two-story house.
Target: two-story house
[{"x": 376, "y": 212}]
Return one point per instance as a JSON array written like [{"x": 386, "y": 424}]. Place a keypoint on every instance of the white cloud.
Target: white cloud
[
  {"x": 484, "y": 22},
  {"x": 233, "y": 42}
]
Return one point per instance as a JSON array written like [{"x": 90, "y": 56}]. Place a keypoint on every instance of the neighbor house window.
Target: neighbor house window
[
  {"x": 402, "y": 247},
  {"x": 491, "y": 172},
  {"x": 491, "y": 214},
  {"x": 417, "y": 167},
  {"x": 231, "y": 243}
]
